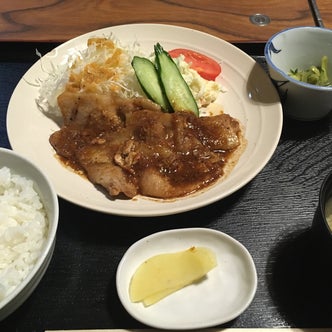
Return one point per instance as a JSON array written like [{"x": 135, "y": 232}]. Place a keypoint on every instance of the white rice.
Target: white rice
[{"x": 23, "y": 229}]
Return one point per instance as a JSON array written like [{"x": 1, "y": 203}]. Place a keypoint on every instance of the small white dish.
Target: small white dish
[{"x": 226, "y": 292}]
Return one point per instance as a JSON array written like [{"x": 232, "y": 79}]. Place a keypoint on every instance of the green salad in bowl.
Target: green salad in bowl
[
  {"x": 297, "y": 61},
  {"x": 317, "y": 75}
]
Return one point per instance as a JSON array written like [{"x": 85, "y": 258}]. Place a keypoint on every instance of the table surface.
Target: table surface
[
  {"x": 323, "y": 11},
  {"x": 57, "y": 21},
  {"x": 272, "y": 216}
]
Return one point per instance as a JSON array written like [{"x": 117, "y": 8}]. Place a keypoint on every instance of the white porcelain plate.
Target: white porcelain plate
[
  {"x": 250, "y": 97},
  {"x": 226, "y": 292}
]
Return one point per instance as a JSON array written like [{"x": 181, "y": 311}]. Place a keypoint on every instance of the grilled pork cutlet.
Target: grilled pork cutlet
[{"x": 131, "y": 147}]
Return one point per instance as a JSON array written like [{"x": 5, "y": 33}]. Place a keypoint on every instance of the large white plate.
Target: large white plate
[
  {"x": 250, "y": 97},
  {"x": 225, "y": 293}
]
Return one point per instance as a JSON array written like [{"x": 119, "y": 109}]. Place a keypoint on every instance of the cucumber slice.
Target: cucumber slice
[
  {"x": 148, "y": 79},
  {"x": 175, "y": 87}
]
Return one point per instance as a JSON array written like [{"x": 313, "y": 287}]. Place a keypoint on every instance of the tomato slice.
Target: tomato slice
[{"x": 205, "y": 66}]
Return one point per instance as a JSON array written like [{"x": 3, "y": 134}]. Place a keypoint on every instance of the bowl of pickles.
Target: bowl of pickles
[{"x": 299, "y": 62}]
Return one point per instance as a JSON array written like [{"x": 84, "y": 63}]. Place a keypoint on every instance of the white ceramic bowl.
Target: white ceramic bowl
[
  {"x": 23, "y": 167},
  {"x": 299, "y": 48}
]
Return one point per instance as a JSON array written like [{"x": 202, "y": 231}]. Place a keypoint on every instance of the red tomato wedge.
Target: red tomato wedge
[{"x": 205, "y": 66}]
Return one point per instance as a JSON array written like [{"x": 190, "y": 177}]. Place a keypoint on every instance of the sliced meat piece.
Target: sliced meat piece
[
  {"x": 131, "y": 147},
  {"x": 219, "y": 133}
]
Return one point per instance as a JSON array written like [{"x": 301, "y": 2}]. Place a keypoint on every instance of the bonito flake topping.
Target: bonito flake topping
[{"x": 106, "y": 68}]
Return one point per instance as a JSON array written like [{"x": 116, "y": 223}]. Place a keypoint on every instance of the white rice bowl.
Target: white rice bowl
[{"x": 29, "y": 214}]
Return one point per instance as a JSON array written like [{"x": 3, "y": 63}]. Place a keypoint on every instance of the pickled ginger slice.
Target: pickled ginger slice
[{"x": 164, "y": 274}]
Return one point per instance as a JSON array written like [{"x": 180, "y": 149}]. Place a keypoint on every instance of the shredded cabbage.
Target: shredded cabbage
[{"x": 105, "y": 66}]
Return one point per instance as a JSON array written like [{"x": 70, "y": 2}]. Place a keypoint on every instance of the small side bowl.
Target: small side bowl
[
  {"x": 299, "y": 48},
  {"x": 325, "y": 207},
  {"x": 21, "y": 166}
]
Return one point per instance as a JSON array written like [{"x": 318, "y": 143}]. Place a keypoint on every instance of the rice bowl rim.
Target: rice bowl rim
[{"x": 52, "y": 222}]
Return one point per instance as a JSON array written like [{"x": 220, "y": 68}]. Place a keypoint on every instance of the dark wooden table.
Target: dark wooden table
[
  {"x": 324, "y": 13},
  {"x": 272, "y": 215},
  {"x": 57, "y": 21}
]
